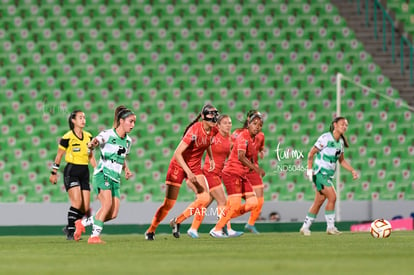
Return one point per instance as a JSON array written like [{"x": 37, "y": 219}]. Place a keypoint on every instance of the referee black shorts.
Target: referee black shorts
[{"x": 76, "y": 175}]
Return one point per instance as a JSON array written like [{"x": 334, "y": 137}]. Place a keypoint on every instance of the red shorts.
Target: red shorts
[
  {"x": 213, "y": 181},
  {"x": 255, "y": 179},
  {"x": 175, "y": 175},
  {"x": 236, "y": 185}
]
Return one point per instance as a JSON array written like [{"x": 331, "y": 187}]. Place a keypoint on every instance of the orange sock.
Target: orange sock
[
  {"x": 256, "y": 211},
  {"x": 161, "y": 213},
  {"x": 251, "y": 203},
  {"x": 233, "y": 203},
  {"x": 197, "y": 206},
  {"x": 198, "y": 219}
]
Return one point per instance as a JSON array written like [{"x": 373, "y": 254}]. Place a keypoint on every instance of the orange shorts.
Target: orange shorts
[
  {"x": 213, "y": 181},
  {"x": 175, "y": 175},
  {"x": 255, "y": 179},
  {"x": 236, "y": 184}
]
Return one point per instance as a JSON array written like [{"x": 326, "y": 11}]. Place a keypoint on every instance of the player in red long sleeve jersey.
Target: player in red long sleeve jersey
[{"x": 186, "y": 164}]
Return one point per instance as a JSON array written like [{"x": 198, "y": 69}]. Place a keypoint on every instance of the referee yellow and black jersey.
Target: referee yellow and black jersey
[{"x": 76, "y": 148}]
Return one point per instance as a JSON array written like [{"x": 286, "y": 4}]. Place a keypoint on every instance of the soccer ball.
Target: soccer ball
[{"x": 380, "y": 228}]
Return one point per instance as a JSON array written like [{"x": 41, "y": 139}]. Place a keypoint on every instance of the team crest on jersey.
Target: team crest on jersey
[{"x": 106, "y": 183}]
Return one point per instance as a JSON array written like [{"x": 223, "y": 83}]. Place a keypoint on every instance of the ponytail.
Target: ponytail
[
  {"x": 121, "y": 112},
  {"x": 331, "y": 129},
  {"x": 192, "y": 123},
  {"x": 117, "y": 110},
  {"x": 207, "y": 109},
  {"x": 72, "y": 116}
]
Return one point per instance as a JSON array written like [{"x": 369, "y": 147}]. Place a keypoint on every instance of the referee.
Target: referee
[{"x": 76, "y": 173}]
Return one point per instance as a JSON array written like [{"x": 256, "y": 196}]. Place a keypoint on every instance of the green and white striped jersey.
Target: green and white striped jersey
[
  {"x": 329, "y": 152},
  {"x": 113, "y": 153}
]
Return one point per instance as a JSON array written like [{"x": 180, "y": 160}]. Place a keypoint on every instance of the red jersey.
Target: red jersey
[
  {"x": 242, "y": 141},
  {"x": 221, "y": 149},
  {"x": 258, "y": 141},
  {"x": 198, "y": 141}
]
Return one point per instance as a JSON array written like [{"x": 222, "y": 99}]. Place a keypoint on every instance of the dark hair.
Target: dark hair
[
  {"x": 117, "y": 110},
  {"x": 252, "y": 114},
  {"x": 331, "y": 129},
  {"x": 203, "y": 110},
  {"x": 73, "y": 116},
  {"x": 121, "y": 112}
]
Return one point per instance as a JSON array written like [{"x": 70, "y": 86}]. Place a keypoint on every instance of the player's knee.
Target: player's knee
[
  {"x": 168, "y": 204},
  {"x": 251, "y": 203},
  {"x": 234, "y": 202},
  {"x": 203, "y": 198}
]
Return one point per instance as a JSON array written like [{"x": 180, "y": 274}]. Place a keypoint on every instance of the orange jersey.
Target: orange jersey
[
  {"x": 198, "y": 141},
  {"x": 258, "y": 141},
  {"x": 221, "y": 149},
  {"x": 242, "y": 141}
]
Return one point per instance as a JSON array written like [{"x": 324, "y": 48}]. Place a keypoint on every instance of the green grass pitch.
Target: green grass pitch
[{"x": 267, "y": 253}]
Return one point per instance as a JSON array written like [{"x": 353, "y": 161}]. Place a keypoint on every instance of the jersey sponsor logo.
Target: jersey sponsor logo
[
  {"x": 77, "y": 149},
  {"x": 121, "y": 150}
]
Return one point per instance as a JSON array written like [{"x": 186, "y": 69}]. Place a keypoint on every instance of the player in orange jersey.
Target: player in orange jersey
[
  {"x": 255, "y": 179},
  {"x": 186, "y": 164},
  {"x": 221, "y": 148},
  {"x": 234, "y": 174}
]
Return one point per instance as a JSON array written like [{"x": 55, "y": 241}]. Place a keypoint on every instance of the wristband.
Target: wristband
[
  {"x": 55, "y": 166},
  {"x": 53, "y": 172}
]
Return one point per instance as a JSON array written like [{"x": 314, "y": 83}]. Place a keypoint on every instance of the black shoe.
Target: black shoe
[
  {"x": 175, "y": 228},
  {"x": 65, "y": 230},
  {"x": 68, "y": 233},
  {"x": 150, "y": 236},
  {"x": 70, "y": 237}
]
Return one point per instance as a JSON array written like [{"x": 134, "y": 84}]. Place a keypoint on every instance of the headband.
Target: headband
[
  {"x": 127, "y": 114},
  {"x": 255, "y": 115}
]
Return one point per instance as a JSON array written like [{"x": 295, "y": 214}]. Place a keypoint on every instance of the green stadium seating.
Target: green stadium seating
[{"x": 165, "y": 63}]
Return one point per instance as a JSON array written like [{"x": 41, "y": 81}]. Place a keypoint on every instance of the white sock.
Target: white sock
[
  {"x": 330, "y": 220},
  {"x": 308, "y": 221},
  {"x": 88, "y": 221},
  {"x": 96, "y": 230}
]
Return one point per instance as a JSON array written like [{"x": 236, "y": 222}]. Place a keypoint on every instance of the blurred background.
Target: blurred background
[{"x": 166, "y": 59}]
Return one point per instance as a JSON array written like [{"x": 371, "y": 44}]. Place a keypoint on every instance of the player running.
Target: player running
[
  {"x": 186, "y": 164},
  {"x": 115, "y": 145},
  {"x": 221, "y": 148},
  {"x": 329, "y": 148},
  {"x": 234, "y": 175}
]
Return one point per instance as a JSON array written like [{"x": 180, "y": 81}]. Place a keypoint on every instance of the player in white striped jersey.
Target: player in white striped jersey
[
  {"x": 114, "y": 145},
  {"x": 329, "y": 148}
]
